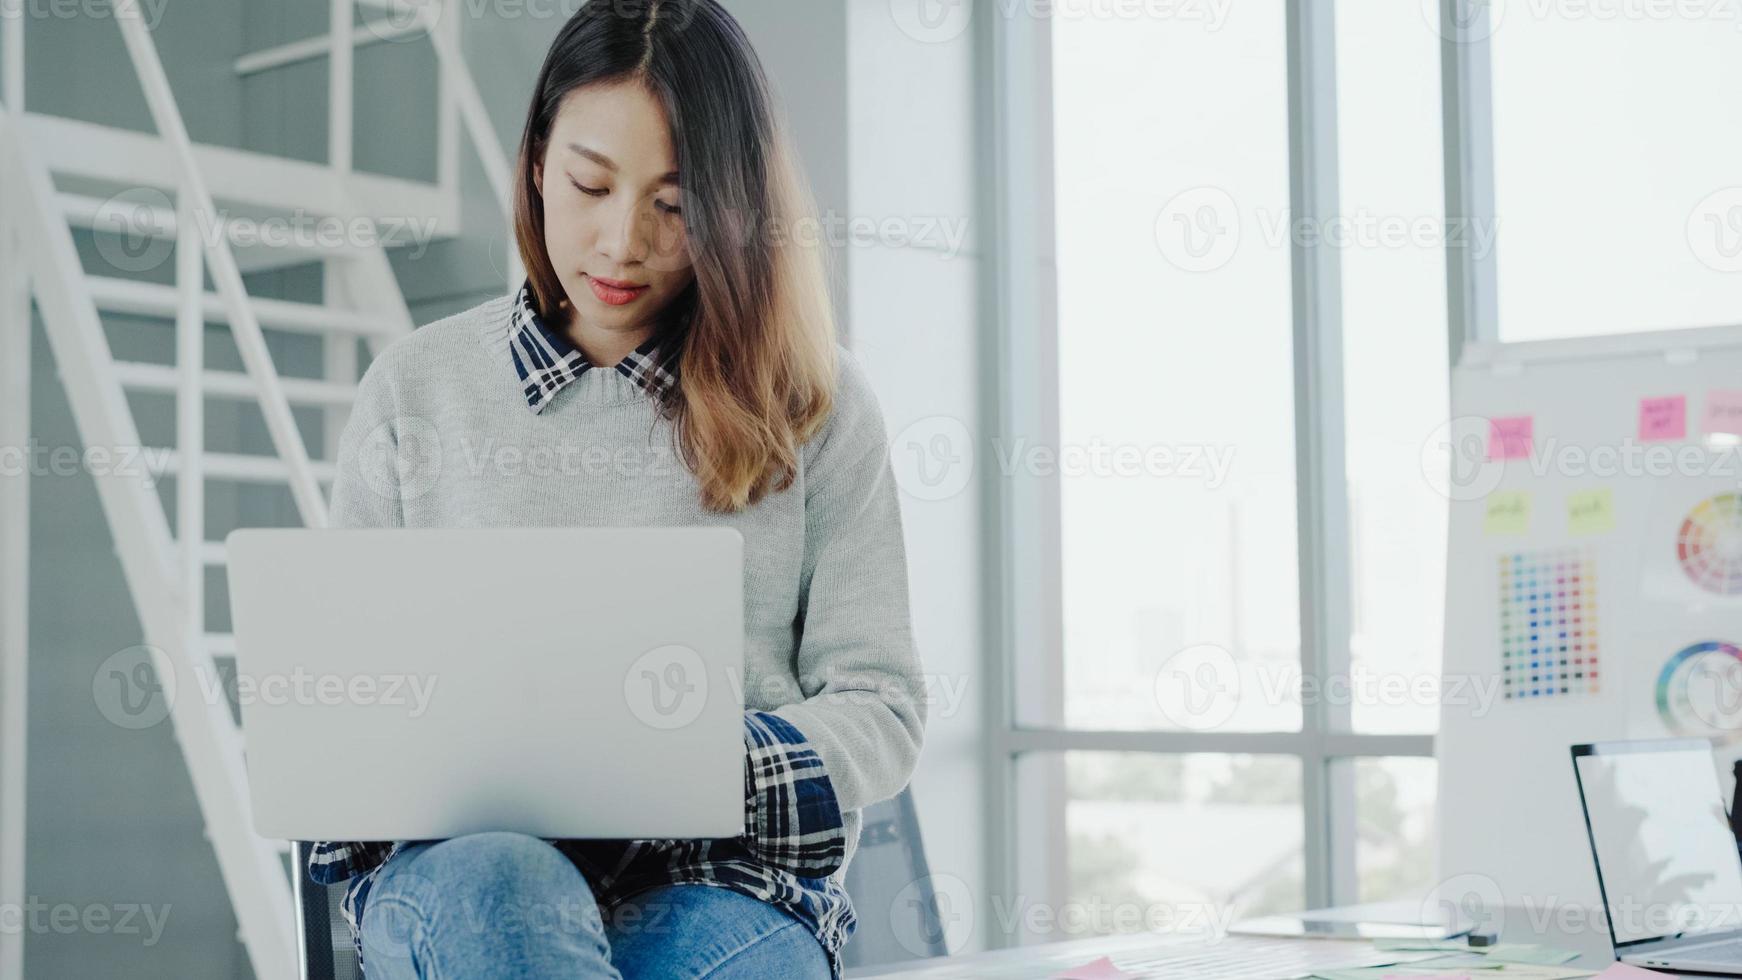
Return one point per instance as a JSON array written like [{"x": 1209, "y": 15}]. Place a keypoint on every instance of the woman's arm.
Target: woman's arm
[
  {"x": 864, "y": 710},
  {"x": 365, "y": 494}
]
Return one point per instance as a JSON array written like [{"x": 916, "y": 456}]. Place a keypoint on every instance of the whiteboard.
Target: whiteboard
[{"x": 1511, "y": 831}]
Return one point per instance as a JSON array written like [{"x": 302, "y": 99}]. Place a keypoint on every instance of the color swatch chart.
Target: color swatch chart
[
  {"x": 1548, "y": 624},
  {"x": 1709, "y": 545}
]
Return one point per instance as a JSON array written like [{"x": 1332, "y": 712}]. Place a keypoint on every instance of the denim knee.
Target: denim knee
[{"x": 481, "y": 892}]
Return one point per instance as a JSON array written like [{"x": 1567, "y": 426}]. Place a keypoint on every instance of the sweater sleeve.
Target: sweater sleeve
[
  {"x": 365, "y": 494},
  {"x": 864, "y": 705}
]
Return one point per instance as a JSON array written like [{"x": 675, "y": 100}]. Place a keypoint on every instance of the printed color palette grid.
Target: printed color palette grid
[{"x": 1548, "y": 624}]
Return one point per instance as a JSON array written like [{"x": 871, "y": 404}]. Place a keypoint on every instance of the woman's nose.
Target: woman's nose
[{"x": 627, "y": 233}]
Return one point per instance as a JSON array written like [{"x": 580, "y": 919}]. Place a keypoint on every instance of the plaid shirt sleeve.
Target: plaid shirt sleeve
[
  {"x": 330, "y": 862},
  {"x": 792, "y": 820}
]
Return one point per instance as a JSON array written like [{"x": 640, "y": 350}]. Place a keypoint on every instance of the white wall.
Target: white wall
[{"x": 915, "y": 321}]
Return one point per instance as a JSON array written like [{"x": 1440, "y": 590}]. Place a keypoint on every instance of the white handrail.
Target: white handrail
[
  {"x": 451, "y": 63},
  {"x": 250, "y": 342},
  {"x": 15, "y": 361},
  {"x": 12, "y": 53},
  {"x": 190, "y": 360},
  {"x": 254, "y": 876},
  {"x": 341, "y": 76}
]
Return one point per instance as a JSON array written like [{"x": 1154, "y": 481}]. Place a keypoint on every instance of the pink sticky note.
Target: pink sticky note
[
  {"x": 1101, "y": 969},
  {"x": 1723, "y": 412},
  {"x": 1511, "y": 437},
  {"x": 1663, "y": 419}
]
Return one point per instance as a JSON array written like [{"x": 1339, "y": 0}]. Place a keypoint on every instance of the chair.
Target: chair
[
  {"x": 891, "y": 929},
  {"x": 319, "y": 922}
]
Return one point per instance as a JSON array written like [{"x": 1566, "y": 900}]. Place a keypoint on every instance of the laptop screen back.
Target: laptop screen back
[{"x": 1664, "y": 848}]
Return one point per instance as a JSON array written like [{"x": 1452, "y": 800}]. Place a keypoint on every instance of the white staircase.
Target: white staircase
[{"x": 183, "y": 184}]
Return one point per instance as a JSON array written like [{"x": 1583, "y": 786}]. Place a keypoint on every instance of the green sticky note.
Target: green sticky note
[
  {"x": 1530, "y": 953},
  {"x": 1508, "y": 512},
  {"x": 1591, "y": 511},
  {"x": 1447, "y": 945}
]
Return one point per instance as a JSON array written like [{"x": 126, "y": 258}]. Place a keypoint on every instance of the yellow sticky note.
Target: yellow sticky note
[
  {"x": 1591, "y": 511},
  {"x": 1508, "y": 512}
]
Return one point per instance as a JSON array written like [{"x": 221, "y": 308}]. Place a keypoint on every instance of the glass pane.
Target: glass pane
[
  {"x": 1615, "y": 145},
  {"x": 1394, "y": 850},
  {"x": 1394, "y": 359},
  {"x": 1176, "y": 408},
  {"x": 1155, "y": 839}
]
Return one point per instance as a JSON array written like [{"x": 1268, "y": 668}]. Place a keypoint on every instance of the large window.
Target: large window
[
  {"x": 1240, "y": 246},
  {"x": 1615, "y": 146},
  {"x": 1174, "y": 356},
  {"x": 1395, "y": 352},
  {"x": 1225, "y": 579}
]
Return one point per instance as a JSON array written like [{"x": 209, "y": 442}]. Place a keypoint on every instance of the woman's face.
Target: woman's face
[{"x": 612, "y": 209}]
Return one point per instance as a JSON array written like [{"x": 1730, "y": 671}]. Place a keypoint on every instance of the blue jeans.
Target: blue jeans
[{"x": 503, "y": 904}]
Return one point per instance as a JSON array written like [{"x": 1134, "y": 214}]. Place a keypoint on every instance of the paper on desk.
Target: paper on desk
[
  {"x": 1101, "y": 969},
  {"x": 1493, "y": 971},
  {"x": 1627, "y": 971},
  {"x": 1463, "y": 960},
  {"x": 1445, "y": 945},
  {"x": 1499, "y": 952},
  {"x": 1527, "y": 953}
]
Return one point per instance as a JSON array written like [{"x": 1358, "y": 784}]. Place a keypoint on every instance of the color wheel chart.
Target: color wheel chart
[
  {"x": 1548, "y": 624},
  {"x": 1699, "y": 691},
  {"x": 1709, "y": 545}
]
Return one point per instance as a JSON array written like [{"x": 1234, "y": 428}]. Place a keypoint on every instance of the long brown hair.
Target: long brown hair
[{"x": 755, "y": 333}]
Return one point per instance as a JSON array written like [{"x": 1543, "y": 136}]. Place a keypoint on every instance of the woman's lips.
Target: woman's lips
[{"x": 615, "y": 292}]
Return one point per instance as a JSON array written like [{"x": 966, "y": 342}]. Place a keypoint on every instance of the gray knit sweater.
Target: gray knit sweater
[{"x": 441, "y": 437}]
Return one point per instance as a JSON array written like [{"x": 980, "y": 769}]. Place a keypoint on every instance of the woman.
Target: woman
[{"x": 670, "y": 360}]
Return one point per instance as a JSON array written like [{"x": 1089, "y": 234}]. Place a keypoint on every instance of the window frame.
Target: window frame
[{"x": 1026, "y": 845}]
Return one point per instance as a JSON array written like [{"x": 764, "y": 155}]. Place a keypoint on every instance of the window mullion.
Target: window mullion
[{"x": 1320, "y": 473}]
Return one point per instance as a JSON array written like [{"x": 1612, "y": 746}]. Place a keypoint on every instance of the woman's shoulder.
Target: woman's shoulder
[
  {"x": 856, "y": 415},
  {"x": 445, "y": 349}
]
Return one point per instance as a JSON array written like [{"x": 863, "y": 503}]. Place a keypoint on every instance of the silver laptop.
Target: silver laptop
[
  {"x": 1667, "y": 862},
  {"x": 421, "y": 684}
]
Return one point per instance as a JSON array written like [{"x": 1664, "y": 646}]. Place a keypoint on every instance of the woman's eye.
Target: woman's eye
[
  {"x": 669, "y": 208},
  {"x": 590, "y": 191}
]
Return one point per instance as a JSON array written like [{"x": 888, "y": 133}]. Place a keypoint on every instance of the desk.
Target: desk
[{"x": 1566, "y": 927}]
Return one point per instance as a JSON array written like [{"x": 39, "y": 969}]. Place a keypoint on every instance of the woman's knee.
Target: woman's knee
[
  {"x": 479, "y": 894},
  {"x": 496, "y": 880},
  {"x": 498, "y": 860}
]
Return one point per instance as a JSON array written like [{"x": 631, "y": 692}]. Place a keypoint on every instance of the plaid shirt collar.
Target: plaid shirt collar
[{"x": 546, "y": 361}]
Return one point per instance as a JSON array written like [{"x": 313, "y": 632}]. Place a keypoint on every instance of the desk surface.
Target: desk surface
[{"x": 1566, "y": 927}]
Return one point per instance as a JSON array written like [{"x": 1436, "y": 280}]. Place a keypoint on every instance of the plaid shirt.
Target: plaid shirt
[{"x": 794, "y": 838}]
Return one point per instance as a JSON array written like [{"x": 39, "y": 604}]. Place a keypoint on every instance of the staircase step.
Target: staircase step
[
  {"x": 240, "y": 468},
  {"x": 132, "y": 158},
  {"x": 150, "y": 299},
  {"x": 97, "y": 214},
  {"x": 233, "y": 384}
]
